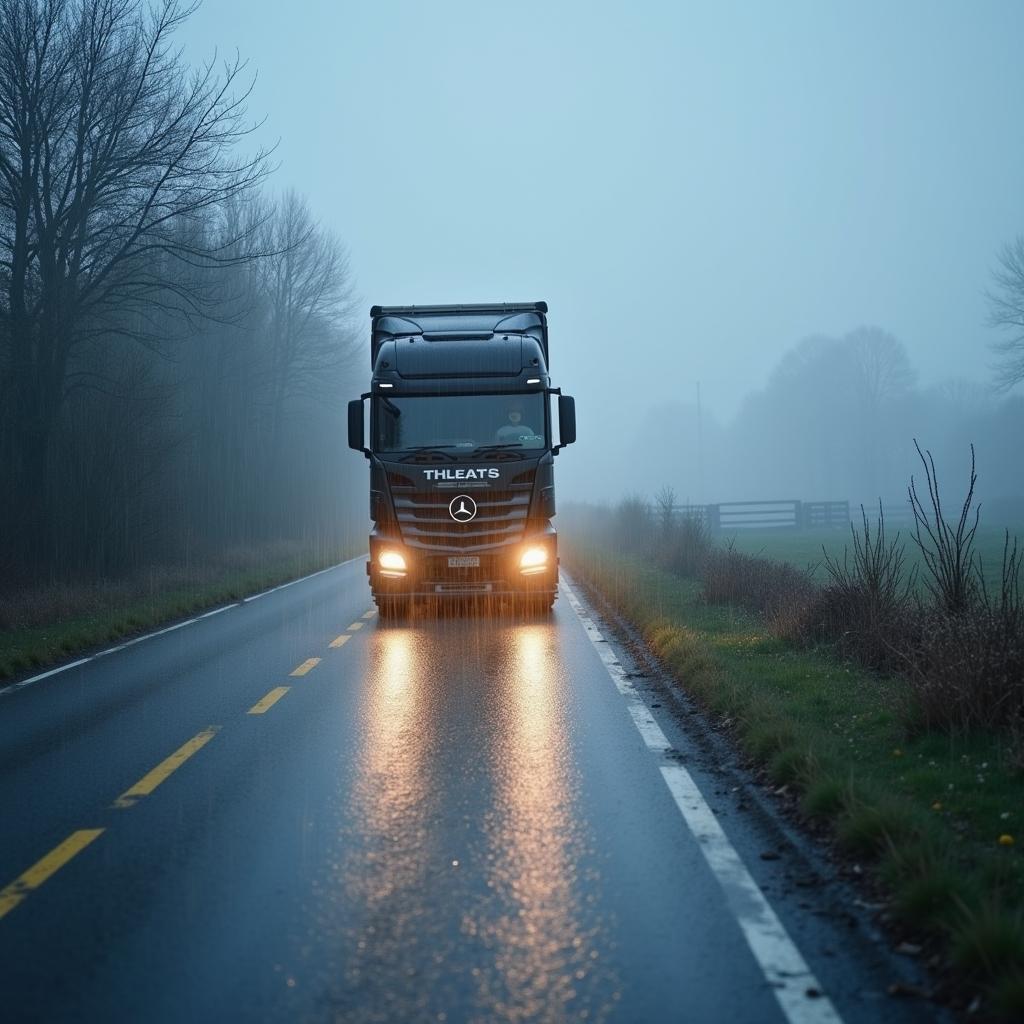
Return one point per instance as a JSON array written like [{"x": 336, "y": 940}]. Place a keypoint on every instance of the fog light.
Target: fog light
[
  {"x": 533, "y": 560},
  {"x": 391, "y": 562}
]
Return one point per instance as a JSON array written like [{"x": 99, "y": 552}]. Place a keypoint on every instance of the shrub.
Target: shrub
[
  {"x": 686, "y": 545},
  {"x": 781, "y": 592},
  {"x": 675, "y": 542},
  {"x": 865, "y": 609},
  {"x": 967, "y": 671},
  {"x": 966, "y": 668}
]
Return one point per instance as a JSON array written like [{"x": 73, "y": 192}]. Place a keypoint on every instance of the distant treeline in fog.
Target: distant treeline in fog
[
  {"x": 174, "y": 340},
  {"x": 837, "y": 419}
]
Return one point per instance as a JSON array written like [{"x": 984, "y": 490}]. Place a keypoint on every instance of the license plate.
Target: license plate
[{"x": 464, "y": 562}]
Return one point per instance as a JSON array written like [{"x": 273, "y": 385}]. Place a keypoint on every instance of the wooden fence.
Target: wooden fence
[
  {"x": 898, "y": 515},
  {"x": 761, "y": 515}
]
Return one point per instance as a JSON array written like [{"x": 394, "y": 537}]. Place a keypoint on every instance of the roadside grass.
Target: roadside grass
[
  {"x": 46, "y": 624},
  {"x": 803, "y": 548},
  {"x": 940, "y": 817}
]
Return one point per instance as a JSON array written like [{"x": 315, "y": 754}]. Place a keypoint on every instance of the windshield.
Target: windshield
[{"x": 459, "y": 421}]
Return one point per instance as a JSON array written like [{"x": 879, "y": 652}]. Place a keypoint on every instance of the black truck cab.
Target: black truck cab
[{"x": 461, "y": 454}]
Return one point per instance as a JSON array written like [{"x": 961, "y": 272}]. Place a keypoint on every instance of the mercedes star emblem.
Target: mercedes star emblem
[{"x": 462, "y": 508}]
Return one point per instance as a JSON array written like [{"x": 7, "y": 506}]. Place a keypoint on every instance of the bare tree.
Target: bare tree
[
  {"x": 882, "y": 367},
  {"x": 665, "y": 503},
  {"x": 308, "y": 287},
  {"x": 114, "y": 158},
  {"x": 1006, "y": 311},
  {"x": 880, "y": 373}
]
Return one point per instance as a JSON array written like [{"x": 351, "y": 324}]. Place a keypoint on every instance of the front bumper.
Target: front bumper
[{"x": 429, "y": 574}]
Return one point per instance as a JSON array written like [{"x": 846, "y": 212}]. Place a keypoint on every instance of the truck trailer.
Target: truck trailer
[{"x": 461, "y": 455}]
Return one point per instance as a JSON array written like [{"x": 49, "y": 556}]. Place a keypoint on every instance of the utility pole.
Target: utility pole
[{"x": 700, "y": 450}]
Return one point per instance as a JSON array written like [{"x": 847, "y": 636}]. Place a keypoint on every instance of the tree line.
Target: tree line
[
  {"x": 174, "y": 341},
  {"x": 836, "y": 419}
]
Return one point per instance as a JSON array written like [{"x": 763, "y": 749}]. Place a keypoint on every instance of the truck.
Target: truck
[{"x": 461, "y": 454}]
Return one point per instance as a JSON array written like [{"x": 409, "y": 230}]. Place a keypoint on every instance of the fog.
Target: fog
[
  {"x": 768, "y": 234},
  {"x": 694, "y": 188}
]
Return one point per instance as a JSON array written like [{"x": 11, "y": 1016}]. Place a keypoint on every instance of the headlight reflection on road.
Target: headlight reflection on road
[
  {"x": 395, "y": 956},
  {"x": 370, "y": 902},
  {"x": 545, "y": 948},
  {"x": 464, "y": 870},
  {"x": 391, "y": 783}
]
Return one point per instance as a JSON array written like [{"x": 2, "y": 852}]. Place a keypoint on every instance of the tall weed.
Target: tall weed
[
  {"x": 866, "y": 606},
  {"x": 947, "y": 550}
]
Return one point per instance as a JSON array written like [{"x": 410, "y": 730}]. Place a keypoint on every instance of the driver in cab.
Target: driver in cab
[{"x": 515, "y": 431}]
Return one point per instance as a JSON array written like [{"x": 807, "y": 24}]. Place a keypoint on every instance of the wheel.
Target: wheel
[{"x": 540, "y": 605}]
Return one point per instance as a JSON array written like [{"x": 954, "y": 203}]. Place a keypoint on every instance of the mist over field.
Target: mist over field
[
  {"x": 778, "y": 242},
  {"x": 837, "y": 419},
  {"x": 699, "y": 191}
]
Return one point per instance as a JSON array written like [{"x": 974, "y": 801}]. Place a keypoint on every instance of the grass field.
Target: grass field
[
  {"x": 940, "y": 817},
  {"x": 806, "y": 548}
]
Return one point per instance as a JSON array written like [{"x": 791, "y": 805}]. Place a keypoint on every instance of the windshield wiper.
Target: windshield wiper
[{"x": 492, "y": 447}]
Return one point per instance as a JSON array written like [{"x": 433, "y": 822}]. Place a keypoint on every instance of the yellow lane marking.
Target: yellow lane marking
[
  {"x": 356, "y": 625},
  {"x": 340, "y": 641},
  {"x": 152, "y": 779},
  {"x": 370, "y": 614},
  {"x": 306, "y": 666},
  {"x": 11, "y": 895},
  {"x": 266, "y": 703}
]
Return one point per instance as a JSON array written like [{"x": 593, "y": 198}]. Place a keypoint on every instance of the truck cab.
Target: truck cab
[{"x": 461, "y": 455}]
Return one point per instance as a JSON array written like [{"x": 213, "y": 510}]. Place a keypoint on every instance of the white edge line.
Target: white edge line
[
  {"x": 785, "y": 970},
  {"x": 301, "y": 579},
  {"x": 13, "y": 687},
  {"x": 109, "y": 650},
  {"x": 42, "y": 675},
  {"x": 147, "y": 636},
  {"x": 217, "y": 611},
  {"x": 645, "y": 722}
]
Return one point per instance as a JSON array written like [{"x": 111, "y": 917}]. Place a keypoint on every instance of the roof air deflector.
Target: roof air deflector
[{"x": 472, "y": 321}]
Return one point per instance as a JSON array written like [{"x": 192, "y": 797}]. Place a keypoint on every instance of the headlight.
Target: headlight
[
  {"x": 391, "y": 560},
  {"x": 534, "y": 558}
]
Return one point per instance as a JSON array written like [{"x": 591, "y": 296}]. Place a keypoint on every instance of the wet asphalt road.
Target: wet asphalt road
[{"x": 446, "y": 820}]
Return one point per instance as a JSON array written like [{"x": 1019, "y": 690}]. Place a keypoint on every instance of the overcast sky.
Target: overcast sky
[{"x": 693, "y": 187}]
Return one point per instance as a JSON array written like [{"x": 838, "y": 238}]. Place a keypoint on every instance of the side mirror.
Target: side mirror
[
  {"x": 356, "y": 436},
  {"x": 566, "y": 420}
]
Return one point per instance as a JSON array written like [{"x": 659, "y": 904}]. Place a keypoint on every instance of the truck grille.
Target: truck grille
[{"x": 425, "y": 523}]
